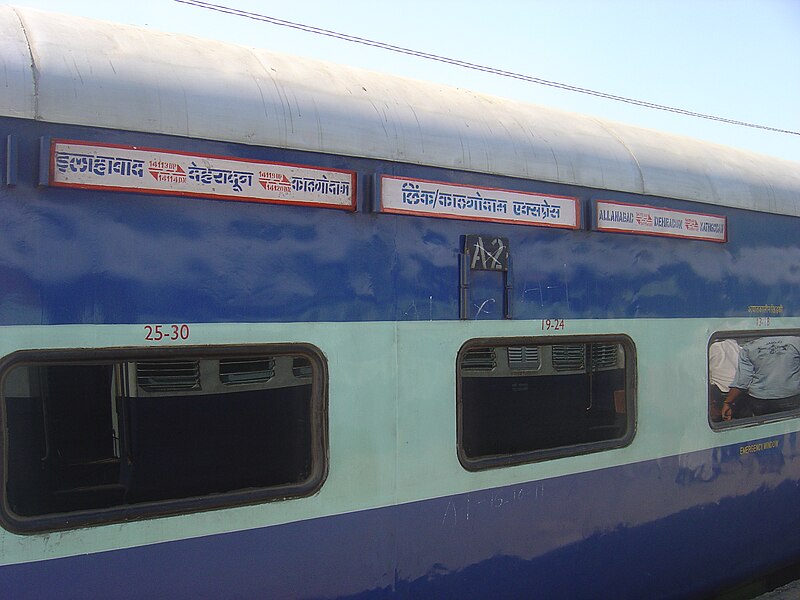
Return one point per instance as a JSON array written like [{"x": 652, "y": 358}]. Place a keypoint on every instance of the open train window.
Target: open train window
[
  {"x": 753, "y": 377},
  {"x": 523, "y": 400},
  {"x": 104, "y": 435}
]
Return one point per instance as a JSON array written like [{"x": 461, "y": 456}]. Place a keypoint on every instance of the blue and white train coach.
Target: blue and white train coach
[{"x": 274, "y": 328}]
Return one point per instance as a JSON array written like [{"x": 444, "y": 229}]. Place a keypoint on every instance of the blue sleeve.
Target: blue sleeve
[{"x": 744, "y": 371}]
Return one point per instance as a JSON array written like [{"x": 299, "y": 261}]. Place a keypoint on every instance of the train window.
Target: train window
[
  {"x": 753, "y": 377},
  {"x": 525, "y": 400},
  {"x": 111, "y": 435}
]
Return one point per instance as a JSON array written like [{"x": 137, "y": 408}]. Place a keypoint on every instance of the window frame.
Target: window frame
[
  {"x": 545, "y": 454},
  {"x": 319, "y": 450},
  {"x": 749, "y": 334}
]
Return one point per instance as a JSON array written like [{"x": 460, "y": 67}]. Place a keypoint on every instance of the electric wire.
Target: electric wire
[{"x": 476, "y": 67}]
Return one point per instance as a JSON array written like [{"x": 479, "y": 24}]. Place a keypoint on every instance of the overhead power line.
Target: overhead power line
[{"x": 475, "y": 67}]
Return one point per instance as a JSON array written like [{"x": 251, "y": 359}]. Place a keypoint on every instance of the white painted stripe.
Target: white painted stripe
[{"x": 392, "y": 414}]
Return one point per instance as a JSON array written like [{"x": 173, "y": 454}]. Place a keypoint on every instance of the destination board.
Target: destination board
[
  {"x": 648, "y": 220},
  {"x": 450, "y": 201},
  {"x": 153, "y": 171}
]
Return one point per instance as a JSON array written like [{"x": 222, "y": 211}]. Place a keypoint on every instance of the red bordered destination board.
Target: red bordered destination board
[
  {"x": 402, "y": 195},
  {"x": 648, "y": 220},
  {"x": 90, "y": 165}
]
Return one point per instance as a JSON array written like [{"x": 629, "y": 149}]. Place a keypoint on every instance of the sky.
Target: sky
[{"x": 736, "y": 59}]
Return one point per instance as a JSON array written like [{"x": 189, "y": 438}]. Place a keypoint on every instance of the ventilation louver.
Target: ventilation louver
[
  {"x": 523, "y": 357},
  {"x": 604, "y": 356},
  {"x": 234, "y": 371},
  {"x": 168, "y": 376},
  {"x": 569, "y": 357},
  {"x": 479, "y": 359},
  {"x": 301, "y": 367}
]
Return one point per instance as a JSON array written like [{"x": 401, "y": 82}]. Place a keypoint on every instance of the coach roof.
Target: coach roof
[{"x": 64, "y": 69}]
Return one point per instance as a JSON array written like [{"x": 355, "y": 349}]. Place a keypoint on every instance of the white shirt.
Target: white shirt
[{"x": 723, "y": 356}]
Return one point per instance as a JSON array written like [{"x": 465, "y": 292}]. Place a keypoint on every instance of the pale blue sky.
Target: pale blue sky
[{"x": 736, "y": 59}]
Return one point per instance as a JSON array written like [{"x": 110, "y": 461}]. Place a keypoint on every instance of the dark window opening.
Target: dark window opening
[
  {"x": 121, "y": 436},
  {"x": 524, "y": 402}
]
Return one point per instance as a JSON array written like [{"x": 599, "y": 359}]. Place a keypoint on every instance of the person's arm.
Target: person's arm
[{"x": 730, "y": 400}]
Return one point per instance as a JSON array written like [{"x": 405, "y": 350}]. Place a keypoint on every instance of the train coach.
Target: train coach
[{"x": 276, "y": 328}]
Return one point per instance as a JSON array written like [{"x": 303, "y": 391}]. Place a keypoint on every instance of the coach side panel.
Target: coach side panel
[{"x": 374, "y": 299}]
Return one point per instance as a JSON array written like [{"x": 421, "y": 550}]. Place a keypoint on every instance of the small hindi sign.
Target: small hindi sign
[
  {"x": 648, "y": 220},
  {"x": 401, "y": 195},
  {"x": 152, "y": 171}
]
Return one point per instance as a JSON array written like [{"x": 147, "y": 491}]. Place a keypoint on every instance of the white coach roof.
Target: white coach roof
[{"x": 63, "y": 69}]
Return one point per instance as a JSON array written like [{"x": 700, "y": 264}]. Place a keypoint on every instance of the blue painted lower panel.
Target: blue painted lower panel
[{"x": 671, "y": 528}]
